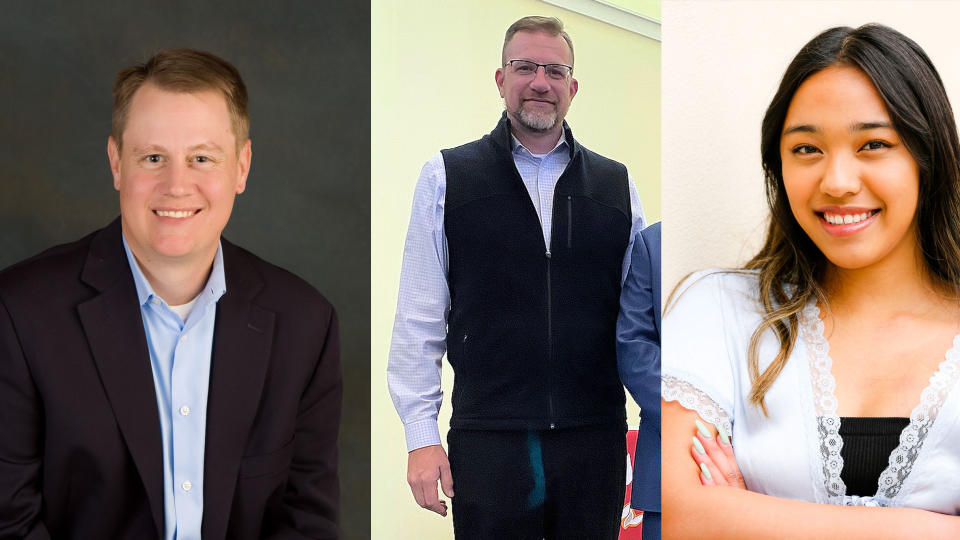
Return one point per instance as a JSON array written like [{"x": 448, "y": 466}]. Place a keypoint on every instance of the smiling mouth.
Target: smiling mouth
[
  {"x": 844, "y": 222},
  {"x": 176, "y": 214},
  {"x": 846, "y": 219}
]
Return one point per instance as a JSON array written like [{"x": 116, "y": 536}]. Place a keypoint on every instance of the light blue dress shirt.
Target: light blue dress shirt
[
  {"x": 420, "y": 325},
  {"x": 180, "y": 360}
]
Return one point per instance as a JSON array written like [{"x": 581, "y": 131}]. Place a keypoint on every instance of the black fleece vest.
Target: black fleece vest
[{"x": 532, "y": 330}]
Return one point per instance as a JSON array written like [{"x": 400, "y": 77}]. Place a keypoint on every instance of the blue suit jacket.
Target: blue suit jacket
[{"x": 638, "y": 359}]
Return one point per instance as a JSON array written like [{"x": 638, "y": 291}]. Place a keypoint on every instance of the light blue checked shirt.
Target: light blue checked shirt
[
  {"x": 420, "y": 325},
  {"x": 180, "y": 360}
]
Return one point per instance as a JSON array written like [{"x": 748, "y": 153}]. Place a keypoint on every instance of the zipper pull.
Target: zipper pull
[{"x": 548, "y": 253}]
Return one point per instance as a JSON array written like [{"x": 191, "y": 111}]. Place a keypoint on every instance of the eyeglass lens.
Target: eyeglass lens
[{"x": 553, "y": 71}]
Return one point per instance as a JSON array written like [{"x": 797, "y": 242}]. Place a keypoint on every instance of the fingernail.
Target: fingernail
[
  {"x": 698, "y": 446},
  {"x": 705, "y": 471},
  {"x": 723, "y": 435},
  {"x": 703, "y": 429}
]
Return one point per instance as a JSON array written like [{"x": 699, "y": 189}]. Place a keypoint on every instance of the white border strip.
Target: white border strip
[{"x": 611, "y": 14}]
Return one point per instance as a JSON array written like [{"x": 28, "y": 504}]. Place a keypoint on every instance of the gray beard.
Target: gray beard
[{"x": 537, "y": 121}]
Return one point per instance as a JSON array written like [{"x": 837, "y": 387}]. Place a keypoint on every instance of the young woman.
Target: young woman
[{"x": 833, "y": 356}]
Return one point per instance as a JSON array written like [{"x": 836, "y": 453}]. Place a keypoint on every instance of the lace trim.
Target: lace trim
[
  {"x": 691, "y": 397},
  {"x": 856, "y": 500},
  {"x": 922, "y": 418},
  {"x": 904, "y": 456},
  {"x": 824, "y": 400}
]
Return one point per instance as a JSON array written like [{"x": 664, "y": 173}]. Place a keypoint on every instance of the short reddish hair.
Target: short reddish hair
[
  {"x": 183, "y": 70},
  {"x": 534, "y": 23}
]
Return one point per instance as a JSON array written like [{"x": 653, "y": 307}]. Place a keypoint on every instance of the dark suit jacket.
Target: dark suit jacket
[
  {"x": 638, "y": 358},
  {"x": 80, "y": 449}
]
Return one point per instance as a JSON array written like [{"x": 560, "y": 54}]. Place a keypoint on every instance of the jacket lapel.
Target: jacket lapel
[
  {"x": 243, "y": 334},
  {"x": 114, "y": 330}
]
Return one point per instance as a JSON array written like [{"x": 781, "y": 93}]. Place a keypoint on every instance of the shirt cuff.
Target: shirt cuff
[{"x": 422, "y": 433}]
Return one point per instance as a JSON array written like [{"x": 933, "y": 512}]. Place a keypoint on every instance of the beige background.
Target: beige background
[
  {"x": 722, "y": 62},
  {"x": 433, "y": 87}
]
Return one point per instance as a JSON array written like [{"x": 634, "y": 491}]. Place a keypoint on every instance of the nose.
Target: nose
[
  {"x": 841, "y": 177},
  {"x": 177, "y": 182},
  {"x": 539, "y": 82}
]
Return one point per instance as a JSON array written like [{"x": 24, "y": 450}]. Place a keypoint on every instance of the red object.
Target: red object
[{"x": 631, "y": 521}]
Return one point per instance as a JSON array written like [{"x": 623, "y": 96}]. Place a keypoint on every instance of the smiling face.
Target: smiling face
[
  {"x": 177, "y": 172},
  {"x": 536, "y": 103},
  {"x": 851, "y": 182}
]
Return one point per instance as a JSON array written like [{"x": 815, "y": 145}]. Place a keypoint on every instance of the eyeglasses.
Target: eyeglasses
[{"x": 526, "y": 68}]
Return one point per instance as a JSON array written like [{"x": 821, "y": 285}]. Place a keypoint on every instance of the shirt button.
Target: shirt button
[
  {"x": 183, "y": 338},
  {"x": 187, "y": 486},
  {"x": 155, "y": 301},
  {"x": 185, "y": 410}
]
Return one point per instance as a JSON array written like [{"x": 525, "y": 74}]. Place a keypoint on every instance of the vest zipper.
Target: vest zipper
[
  {"x": 569, "y": 222},
  {"x": 550, "y": 346}
]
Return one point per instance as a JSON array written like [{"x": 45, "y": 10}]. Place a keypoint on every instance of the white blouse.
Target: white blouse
[{"x": 795, "y": 451}]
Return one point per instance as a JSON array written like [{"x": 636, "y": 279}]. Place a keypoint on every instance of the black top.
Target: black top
[{"x": 867, "y": 445}]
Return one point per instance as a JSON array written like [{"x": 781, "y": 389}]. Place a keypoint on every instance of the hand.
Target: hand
[
  {"x": 424, "y": 467},
  {"x": 714, "y": 456}
]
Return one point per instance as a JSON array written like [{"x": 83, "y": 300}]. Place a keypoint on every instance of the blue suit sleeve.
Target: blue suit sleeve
[
  {"x": 638, "y": 335},
  {"x": 638, "y": 360}
]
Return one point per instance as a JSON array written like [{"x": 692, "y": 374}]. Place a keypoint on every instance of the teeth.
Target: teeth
[
  {"x": 846, "y": 219},
  {"x": 175, "y": 213}
]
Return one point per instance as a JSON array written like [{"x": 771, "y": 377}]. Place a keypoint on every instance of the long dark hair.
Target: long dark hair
[{"x": 791, "y": 268}]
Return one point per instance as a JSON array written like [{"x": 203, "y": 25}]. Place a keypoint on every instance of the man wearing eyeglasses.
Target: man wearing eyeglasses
[{"x": 512, "y": 266}]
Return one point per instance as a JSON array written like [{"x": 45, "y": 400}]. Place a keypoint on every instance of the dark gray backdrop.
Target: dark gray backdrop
[{"x": 307, "y": 203}]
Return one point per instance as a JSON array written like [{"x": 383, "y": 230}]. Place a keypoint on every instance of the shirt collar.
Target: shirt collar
[
  {"x": 518, "y": 147},
  {"x": 215, "y": 287}
]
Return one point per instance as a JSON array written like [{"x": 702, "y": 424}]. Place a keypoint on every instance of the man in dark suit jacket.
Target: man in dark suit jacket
[
  {"x": 152, "y": 350},
  {"x": 638, "y": 359}
]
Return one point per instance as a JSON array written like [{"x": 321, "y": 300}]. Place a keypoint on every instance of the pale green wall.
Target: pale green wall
[
  {"x": 432, "y": 87},
  {"x": 648, "y": 8}
]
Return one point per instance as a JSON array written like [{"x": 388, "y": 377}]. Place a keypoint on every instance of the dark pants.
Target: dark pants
[
  {"x": 554, "y": 484},
  {"x": 650, "y": 530}
]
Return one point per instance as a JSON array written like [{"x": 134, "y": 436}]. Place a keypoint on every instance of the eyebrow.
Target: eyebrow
[
  {"x": 149, "y": 149},
  {"x": 863, "y": 126},
  {"x": 802, "y": 128},
  {"x": 156, "y": 148},
  {"x": 859, "y": 126},
  {"x": 208, "y": 145}
]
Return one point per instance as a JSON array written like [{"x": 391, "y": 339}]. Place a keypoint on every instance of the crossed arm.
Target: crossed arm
[{"x": 694, "y": 510}]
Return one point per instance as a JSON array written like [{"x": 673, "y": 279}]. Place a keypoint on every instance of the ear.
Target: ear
[
  {"x": 113, "y": 154},
  {"x": 246, "y": 153},
  {"x": 498, "y": 76},
  {"x": 573, "y": 87}
]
